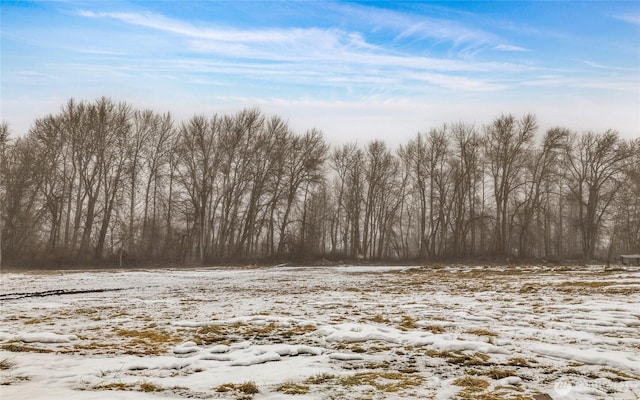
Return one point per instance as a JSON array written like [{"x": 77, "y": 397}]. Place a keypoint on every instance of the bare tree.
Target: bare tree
[
  {"x": 303, "y": 167},
  {"x": 439, "y": 178},
  {"x": 415, "y": 156},
  {"x": 466, "y": 171},
  {"x": 22, "y": 179},
  {"x": 346, "y": 162},
  {"x": 540, "y": 170},
  {"x": 507, "y": 143},
  {"x": 626, "y": 228},
  {"x": 100, "y": 180},
  {"x": 112, "y": 125},
  {"x": 199, "y": 163},
  {"x": 379, "y": 202},
  {"x": 596, "y": 163},
  {"x": 4, "y": 165},
  {"x": 157, "y": 154}
]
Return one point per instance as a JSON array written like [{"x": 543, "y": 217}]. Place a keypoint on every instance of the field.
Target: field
[{"x": 341, "y": 332}]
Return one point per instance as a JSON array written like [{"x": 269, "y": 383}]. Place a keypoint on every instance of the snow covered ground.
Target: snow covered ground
[{"x": 352, "y": 332}]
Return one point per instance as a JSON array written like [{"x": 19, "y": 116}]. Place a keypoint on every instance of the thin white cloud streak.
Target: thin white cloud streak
[
  {"x": 407, "y": 26},
  {"x": 307, "y": 44},
  {"x": 632, "y": 19},
  {"x": 299, "y": 51},
  {"x": 507, "y": 47},
  {"x": 466, "y": 42},
  {"x": 607, "y": 67},
  {"x": 459, "y": 83},
  {"x": 258, "y": 36},
  {"x": 302, "y": 52},
  {"x": 417, "y": 27}
]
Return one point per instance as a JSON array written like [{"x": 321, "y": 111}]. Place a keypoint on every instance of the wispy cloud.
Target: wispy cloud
[
  {"x": 607, "y": 67},
  {"x": 341, "y": 66},
  {"x": 630, "y": 18},
  {"x": 258, "y": 36},
  {"x": 509, "y": 47},
  {"x": 314, "y": 55},
  {"x": 419, "y": 27}
]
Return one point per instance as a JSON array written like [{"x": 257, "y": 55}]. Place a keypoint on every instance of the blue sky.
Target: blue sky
[{"x": 356, "y": 70}]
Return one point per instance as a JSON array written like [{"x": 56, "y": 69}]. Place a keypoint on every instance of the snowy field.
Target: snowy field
[{"x": 352, "y": 332}]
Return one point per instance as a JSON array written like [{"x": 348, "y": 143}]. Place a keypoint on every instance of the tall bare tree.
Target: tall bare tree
[
  {"x": 199, "y": 163},
  {"x": 4, "y": 165},
  {"x": 596, "y": 163},
  {"x": 508, "y": 141}
]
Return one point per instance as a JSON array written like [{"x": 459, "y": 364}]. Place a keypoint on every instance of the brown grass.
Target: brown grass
[
  {"x": 383, "y": 381},
  {"x": 378, "y": 318},
  {"x": 319, "y": 379},
  {"x": 466, "y": 359},
  {"x": 146, "y": 386},
  {"x": 518, "y": 362},
  {"x": 6, "y": 364},
  {"x": 293, "y": 388},
  {"x": 435, "y": 329},
  {"x": 115, "y": 386},
  {"x": 40, "y": 320},
  {"x": 408, "y": 323},
  {"x": 495, "y": 373},
  {"x": 482, "y": 332},
  {"x": 248, "y": 388},
  {"x": 147, "y": 341},
  {"x": 472, "y": 384},
  {"x": 18, "y": 348},
  {"x": 587, "y": 284}
]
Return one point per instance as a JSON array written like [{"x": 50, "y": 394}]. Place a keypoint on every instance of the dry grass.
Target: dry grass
[
  {"x": 221, "y": 334},
  {"x": 210, "y": 334},
  {"x": 18, "y": 348},
  {"x": 619, "y": 376},
  {"x": 587, "y": 284},
  {"x": 115, "y": 386},
  {"x": 378, "y": 318},
  {"x": 255, "y": 330},
  {"x": 319, "y": 379},
  {"x": 6, "y": 364},
  {"x": 298, "y": 330},
  {"x": 466, "y": 359},
  {"x": 482, "y": 332},
  {"x": 408, "y": 323},
  {"x": 494, "y": 373},
  {"x": 40, "y": 320},
  {"x": 495, "y": 395},
  {"x": 146, "y": 386},
  {"x": 608, "y": 287},
  {"x": 352, "y": 347},
  {"x": 472, "y": 384},
  {"x": 147, "y": 341},
  {"x": 247, "y": 388},
  {"x": 435, "y": 329},
  {"x": 93, "y": 347},
  {"x": 293, "y": 388},
  {"x": 626, "y": 291},
  {"x": 518, "y": 362},
  {"x": 142, "y": 386},
  {"x": 383, "y": 381},
  {"x": 10, "y": 380}
]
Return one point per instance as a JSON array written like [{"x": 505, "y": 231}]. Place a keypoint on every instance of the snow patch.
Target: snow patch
[
  {"x": 44, "y": 337},
  {"x": 346, "y": 356},
  {"x": 613, "y": 359}
]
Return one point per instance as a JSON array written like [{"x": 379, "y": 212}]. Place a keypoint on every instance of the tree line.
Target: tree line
[{"x": 103, "y": 182}]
